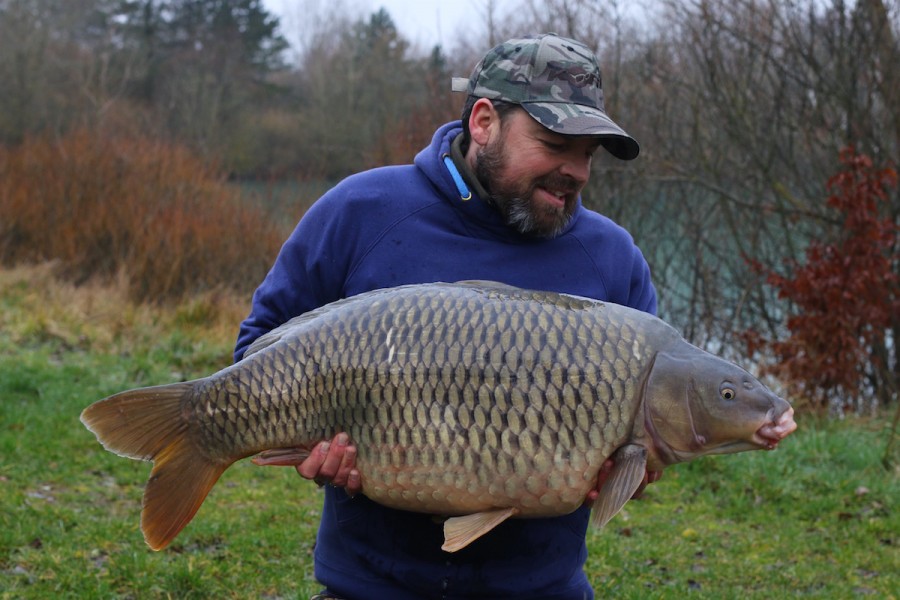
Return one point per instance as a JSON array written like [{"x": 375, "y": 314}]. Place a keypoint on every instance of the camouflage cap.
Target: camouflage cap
[{"x": 557, "y": 81}]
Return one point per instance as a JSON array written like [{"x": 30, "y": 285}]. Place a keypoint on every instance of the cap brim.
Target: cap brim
[{"x": 577, "y": 119}]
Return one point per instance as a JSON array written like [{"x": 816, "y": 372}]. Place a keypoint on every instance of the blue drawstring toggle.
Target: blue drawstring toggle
[{"x": 464, "y": 193}]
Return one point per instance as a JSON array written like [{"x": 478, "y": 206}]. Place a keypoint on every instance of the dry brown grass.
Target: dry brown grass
[
  {"x": 130, "y": 209},
  {"x": 36, "y": 306}
]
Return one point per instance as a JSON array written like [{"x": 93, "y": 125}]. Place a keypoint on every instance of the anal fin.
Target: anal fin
[
  {"x": 626, "y": 477},
  {"x": 281, "y": 457},
  {"x": 459, "y": 532}
]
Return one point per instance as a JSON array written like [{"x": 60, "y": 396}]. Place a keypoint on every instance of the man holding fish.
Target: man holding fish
[
  {"x": 471, "y": 424},
  {"x": 496, "y": 196}
]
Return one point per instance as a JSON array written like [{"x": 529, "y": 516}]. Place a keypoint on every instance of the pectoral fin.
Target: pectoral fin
[
  {"x": 626, "y": 477},
  {"x": 459, "y": 532}
]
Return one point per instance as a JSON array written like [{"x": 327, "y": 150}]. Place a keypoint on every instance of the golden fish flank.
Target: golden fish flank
[{"x": 478, "y": 401}]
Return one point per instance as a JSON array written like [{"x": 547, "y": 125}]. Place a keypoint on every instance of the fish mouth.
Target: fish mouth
[
  {"x": 766, "y": 437},
  {"x": 774, "y": 430},
  {"x": 777, "y": 425}
]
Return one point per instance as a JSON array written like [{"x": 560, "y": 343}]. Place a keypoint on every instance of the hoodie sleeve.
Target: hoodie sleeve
[
  {"x": 642, "y": 293},
  {"x": 309, "y": 271}
]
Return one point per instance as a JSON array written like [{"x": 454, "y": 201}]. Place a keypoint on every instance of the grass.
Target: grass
[{"x": 818, "y": 518}]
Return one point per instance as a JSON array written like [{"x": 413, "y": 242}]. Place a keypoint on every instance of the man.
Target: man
[{"x": 494, "y": 197}]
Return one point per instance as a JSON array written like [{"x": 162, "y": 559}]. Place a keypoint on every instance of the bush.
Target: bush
[
  {"x": 845, "y": 298},
  {"x": 151, "y": 212}
]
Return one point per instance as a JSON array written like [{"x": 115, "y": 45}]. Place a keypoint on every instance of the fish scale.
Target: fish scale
[
  {"x": 494, "y": 380},
  {"x": 478, "y": 399}
]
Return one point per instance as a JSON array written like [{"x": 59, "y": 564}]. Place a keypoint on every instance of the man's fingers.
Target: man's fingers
[
  {"x": 354, "y": 484},
  {"x": 649, "y": 477},
  {"x": 348, "y": 461},
  {"x": 309, "y": 468},
  {"x": 640, "y": 491},
  {"x": 605, "y": 470},
  {"x": 333, "y": 462},
  {"x": 603, "y": 475}
]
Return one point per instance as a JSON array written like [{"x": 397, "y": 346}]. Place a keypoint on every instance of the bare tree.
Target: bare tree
[
  {"x": 56, "y": 64},
  {"x": 741, "y": 108}
]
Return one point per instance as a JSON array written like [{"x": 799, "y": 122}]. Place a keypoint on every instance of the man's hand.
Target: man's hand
[
  {"x": 603, "y": 475},
  {"x": 333, "y": 462}
]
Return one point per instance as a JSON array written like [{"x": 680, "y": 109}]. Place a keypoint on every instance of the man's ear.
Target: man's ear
[{"x": 484, "y": 122}]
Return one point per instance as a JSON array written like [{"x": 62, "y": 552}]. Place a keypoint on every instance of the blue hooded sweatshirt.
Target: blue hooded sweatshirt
[{"x": 411, "y": 224}]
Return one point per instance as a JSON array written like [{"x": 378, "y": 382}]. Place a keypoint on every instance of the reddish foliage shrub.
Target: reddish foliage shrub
[
  {"x": 106, "y": 207},
  {"x": 845, "y": 297}
]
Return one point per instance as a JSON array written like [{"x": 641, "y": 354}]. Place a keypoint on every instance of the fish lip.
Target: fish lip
[{"x": 775, "y": 429}]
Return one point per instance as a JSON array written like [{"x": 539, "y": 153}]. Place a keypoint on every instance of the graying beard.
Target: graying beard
[{"x": 520, "y": 216}]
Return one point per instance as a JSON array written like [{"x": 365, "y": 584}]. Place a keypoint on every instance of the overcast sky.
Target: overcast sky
[{"x": 425, "y": 23}]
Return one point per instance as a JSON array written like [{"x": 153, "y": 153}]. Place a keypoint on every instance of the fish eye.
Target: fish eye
[{"x": 727, "y": 393}]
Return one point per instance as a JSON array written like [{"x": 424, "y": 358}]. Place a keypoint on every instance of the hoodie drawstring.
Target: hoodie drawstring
[{"x": 464, "y": 193}]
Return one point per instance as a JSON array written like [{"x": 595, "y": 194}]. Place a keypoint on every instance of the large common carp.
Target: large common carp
[{"x": 478, "y": 401}]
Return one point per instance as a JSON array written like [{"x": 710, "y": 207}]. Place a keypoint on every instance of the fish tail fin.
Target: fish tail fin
[
  {"x": 179, "y": 483},
  {"x": 149, "y": 424}
]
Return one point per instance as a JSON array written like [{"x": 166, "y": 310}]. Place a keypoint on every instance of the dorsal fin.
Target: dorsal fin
[
  {"x": 286, "y": 329},
  {"x": 282, "y": 331},
  {"x": 289, "y": 327},
  {"x": 489, "y": 285}
]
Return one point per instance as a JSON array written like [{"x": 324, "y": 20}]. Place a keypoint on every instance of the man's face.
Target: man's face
[{"x": 534, "y": 176}]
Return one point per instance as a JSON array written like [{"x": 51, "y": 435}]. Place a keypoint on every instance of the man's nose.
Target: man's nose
[{"x": 577, "y": 166}]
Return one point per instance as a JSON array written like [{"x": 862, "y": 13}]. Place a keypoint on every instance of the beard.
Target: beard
[{"x": 515, "y": 199}]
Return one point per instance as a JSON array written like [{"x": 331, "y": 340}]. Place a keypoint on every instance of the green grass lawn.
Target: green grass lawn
[{"x": 817, "y": 518}]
